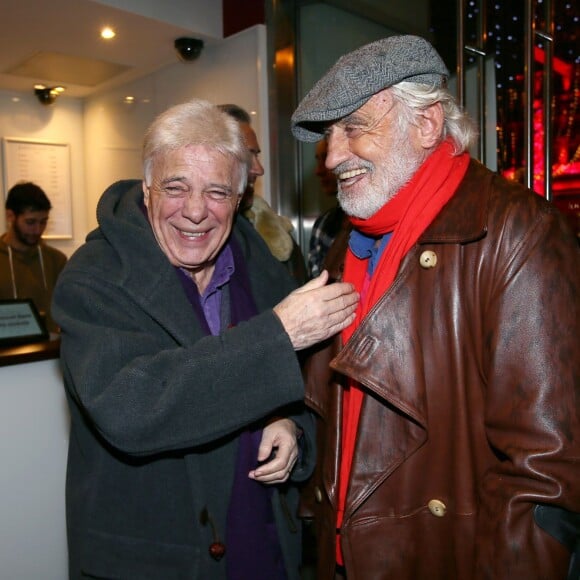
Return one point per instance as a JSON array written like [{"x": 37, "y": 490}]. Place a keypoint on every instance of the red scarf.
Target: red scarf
[{"x": 407, "y": 216}]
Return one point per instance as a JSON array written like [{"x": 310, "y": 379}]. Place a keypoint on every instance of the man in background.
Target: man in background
[
  {"x": 275, "y": 230},
  {"x": 29, "y": 267},
  {"x": 328, "y": 225}
]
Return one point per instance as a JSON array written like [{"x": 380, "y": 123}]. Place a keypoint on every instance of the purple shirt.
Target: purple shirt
[
  {"x": 251, "y": 539},
  {"x": 211, "y": 299}
]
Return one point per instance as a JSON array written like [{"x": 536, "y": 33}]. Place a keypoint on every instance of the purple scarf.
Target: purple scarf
[{"x": 252, "y": 547}]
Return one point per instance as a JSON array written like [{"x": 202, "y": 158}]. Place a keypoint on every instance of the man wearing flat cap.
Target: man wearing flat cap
[{"x": 449, "y": 429}]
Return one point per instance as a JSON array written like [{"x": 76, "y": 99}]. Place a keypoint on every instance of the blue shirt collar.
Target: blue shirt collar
[{"x": 365, "y": 248}]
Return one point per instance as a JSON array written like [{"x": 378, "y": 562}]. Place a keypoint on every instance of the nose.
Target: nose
[
  {"x": 257, "y": 168},
  {"x": 337, "y": 151},
  {"x": 195, "y": 207},
  {"x": 38, "y": 229}
]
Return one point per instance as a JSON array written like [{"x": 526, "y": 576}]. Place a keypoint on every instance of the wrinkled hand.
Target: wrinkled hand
[
  {"x": 280, "y": 436},
  {"x": 316, "y": 311}
]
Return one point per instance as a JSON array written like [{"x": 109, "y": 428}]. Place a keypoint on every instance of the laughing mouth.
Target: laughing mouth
[
  {"x": 352, "y": 173},
  {"x": 192, "y": 234}
]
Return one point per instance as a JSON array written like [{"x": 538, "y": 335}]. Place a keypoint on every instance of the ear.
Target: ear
[
  {"x": 145, "y": 194},
  {"x": 10, "y": 216},
  {"x": 430, "y": 124}
]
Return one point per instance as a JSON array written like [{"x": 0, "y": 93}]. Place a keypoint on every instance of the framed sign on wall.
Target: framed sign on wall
[{"x": 48, "y": 165}]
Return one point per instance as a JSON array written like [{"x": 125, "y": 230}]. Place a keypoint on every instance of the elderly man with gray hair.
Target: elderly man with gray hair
[
  {"x": 189, "y": 434},
  {"x": 449, "y": 425}
]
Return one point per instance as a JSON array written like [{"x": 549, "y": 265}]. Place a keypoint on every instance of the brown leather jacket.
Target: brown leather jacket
[{"x": 471, "y": 417}]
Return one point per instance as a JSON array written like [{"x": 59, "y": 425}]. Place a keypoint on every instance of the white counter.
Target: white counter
[{"x": 34, "y": 431}]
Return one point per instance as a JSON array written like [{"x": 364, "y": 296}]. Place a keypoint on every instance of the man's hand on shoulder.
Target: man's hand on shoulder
[{"x": 317, "y": 311}]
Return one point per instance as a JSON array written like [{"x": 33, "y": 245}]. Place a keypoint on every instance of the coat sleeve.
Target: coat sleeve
[
  {"x": 531, "y": 401},
  {"x": 146, "y": 392},
  {"x": 304, "y": 466}
]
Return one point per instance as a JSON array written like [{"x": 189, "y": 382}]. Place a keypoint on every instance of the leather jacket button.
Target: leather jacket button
[
  {"x": 428, "y": 259},
  {"x": 318, "y": 494},
  {"x": 437, "y": 508}
]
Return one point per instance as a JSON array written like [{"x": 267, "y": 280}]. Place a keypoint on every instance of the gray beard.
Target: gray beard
[{"x": 397, "y": 171}]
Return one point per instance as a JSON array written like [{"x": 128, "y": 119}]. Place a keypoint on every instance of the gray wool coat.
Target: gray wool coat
[{"x": 156, "y": 406}]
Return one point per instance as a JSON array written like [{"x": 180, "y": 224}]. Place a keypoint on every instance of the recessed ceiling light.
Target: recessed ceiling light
[{"x": 107, "y": 33}]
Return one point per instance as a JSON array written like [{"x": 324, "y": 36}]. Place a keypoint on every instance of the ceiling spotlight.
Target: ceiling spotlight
[
  {"x": 188, "y": 49},
  {"x": 47, "y": 95},
  {"x": 107, "y": 33}
]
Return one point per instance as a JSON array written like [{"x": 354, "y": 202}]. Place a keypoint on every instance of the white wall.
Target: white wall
[
  {"x": 34, "y": 433},
  {"x": 228, "y": 71},
  {"x": 105, "y": 134},
  {"x": 23, "y": 117}
]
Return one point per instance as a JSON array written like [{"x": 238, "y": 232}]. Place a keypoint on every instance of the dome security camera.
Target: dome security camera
[
  {"x": 188, "y": 49},
  {"x": 47, "y": 95}
]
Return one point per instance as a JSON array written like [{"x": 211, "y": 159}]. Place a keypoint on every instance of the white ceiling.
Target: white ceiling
[{"x": 57, "y": 42}]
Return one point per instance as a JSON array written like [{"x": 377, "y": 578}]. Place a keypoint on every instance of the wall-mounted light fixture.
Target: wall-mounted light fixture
[{"x": 47, "y": 95}]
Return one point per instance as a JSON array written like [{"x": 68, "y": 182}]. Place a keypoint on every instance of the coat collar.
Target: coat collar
[
  {"x": 461, "y": 220},
  {"x": 142, "y": 270}
]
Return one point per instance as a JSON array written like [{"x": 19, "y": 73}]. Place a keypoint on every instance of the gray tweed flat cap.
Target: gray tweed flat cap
[{"x": 358, "y": 75}]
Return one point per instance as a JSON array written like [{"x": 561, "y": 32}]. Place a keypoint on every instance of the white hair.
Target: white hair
[
  {"x": 196, "y": 122},
  {"x": 415, "y": 97}
]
